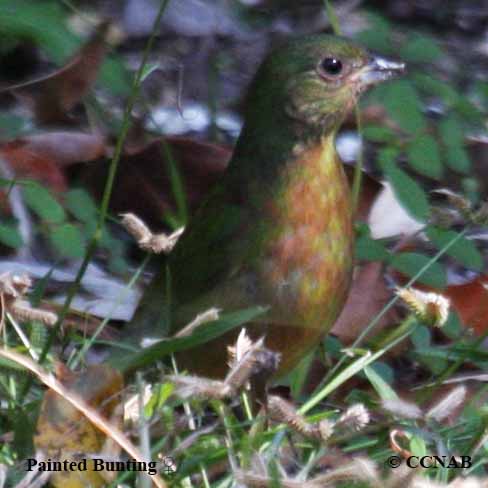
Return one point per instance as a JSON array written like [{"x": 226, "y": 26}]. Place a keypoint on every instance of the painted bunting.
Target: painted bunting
[{"x": 277, "y": 229}]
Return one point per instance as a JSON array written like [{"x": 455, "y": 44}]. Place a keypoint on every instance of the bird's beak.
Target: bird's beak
[{"x": 379, "y": 69}]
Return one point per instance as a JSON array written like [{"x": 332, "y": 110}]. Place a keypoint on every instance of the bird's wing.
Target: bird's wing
[{"x": 207, "y": 254}]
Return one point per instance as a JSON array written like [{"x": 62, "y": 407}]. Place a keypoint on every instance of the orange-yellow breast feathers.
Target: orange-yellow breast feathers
[{"x": 311, "y": 249}]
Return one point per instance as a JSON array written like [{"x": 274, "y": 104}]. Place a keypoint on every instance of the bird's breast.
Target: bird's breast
[{"x": 309, "y": 255}]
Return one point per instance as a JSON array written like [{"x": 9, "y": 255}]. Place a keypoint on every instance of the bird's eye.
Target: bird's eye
[{"x": 331, "y": 66}]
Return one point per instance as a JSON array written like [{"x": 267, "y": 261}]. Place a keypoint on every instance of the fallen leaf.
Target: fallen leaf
[
  {"x": 30, "y": 165},
  {"x": 64, "y": 432},
  {"x": 74, "y": 398},
  {"x": 51, "y": 97},
  {"x": 368, "y": 295},
  {"x": 41, "y": 157},
  {"x": 63, "y": 148},
  {"x": 470, "y": 300},
  {"x": 143, "y": 184},
  {"x": 388, "y": 218}
]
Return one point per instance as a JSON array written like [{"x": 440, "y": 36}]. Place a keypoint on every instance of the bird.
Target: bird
[{"x": 276, "y": 230}]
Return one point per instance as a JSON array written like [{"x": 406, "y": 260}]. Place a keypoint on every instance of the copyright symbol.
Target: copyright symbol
[{"x": 394, "y": 461}]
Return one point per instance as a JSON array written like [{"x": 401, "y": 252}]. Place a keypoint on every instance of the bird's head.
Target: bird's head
[{"x": 316, "y": 80}]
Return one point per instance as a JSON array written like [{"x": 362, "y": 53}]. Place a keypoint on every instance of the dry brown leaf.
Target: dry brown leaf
[
  {"x": 470, "y": 301},
  {"x": 143, "y": 185},
  {"x": 30, "y": 165},
  {"x": 63, "y": 431},
  {"x": 53, "y": 96},
  {"x": 62, "y": 148},
  {"x": 75, "y": 400},
  {"x": 369, "y": 294}
]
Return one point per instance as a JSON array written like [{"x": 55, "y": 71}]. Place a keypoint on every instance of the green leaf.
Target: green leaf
[
  {"x": 158, "y": 399},
  {"x": 435, "y": 364},
  {"x": 117, "y": 264},
  {"x": 370, "y": 249},
  {"x": 9, "y": 364},
  {"x": 452, "y": 136},
  {"x": 421, "y": 49},
  {"x": 115, "y": 77},
  {"x": 424, "y": 157},
  {"x": 38, "y": 334},
  {"x": 481, "y": 90},
  {"x": 409, "y": 193},
  {"x": 451, "y": 131},
  {"x": 67, "y": 240},
  {"x": 384, "y": 370},
  {"x": 40, "y": 22},
  {"x": 436, "y": 87},
  {"x": 464, "y": 250},
  {"x": 457, "y": 159},
  {"x": 410, "y": 263},
  {"x": 377, "y": 133},
  {"x": 375, "y": 40},
  {"x": 467, "y": 351},
  {"x": 40, "y": 201},
  {"x": 384, "y": 390},
  {"x": 149, "y": 69},
  {"x": 403, "y": 105},
  {"x": 471, "y": 189},
  {"x": 453, "y": 328},
  {"x": 333, "y": 346},
  {"x": 378, "y": 35},
  {"x": 44, "y": 23},
  {"x": 23, "y": 423},
  {"x": 298, "y": 377},
  {"x": 81, "y": 205},
  {"x": 12, "y": 125},
  {"x": 469, "y": 111},
  {"x": 205, "y": 333},
  {"x": 418, "y": 446},
  {"x": 10, "y": 236},
  {"x": 387, "y": 157},
  {"x": 420, "y": 337}
]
